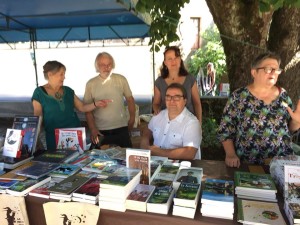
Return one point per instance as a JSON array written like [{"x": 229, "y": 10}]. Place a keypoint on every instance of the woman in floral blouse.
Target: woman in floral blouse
[{"x": 258, "y": 120}]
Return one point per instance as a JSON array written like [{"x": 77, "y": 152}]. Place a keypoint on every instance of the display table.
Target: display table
[{"x": 211, "y": 169}]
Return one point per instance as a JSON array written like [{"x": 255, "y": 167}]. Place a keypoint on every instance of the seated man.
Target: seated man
[{"x": 176, "y": 131}]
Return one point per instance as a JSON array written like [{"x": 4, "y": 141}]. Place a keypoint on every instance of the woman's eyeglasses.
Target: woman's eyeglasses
[{"x": 269, "y": 70}]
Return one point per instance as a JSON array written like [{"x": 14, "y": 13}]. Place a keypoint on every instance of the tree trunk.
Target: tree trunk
[{"x": 246, "y": 32}]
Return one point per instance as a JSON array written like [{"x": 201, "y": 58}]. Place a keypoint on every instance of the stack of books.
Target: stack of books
[
  {"x": 161, "y": 199},
  {"x": 117, "y": 186},
  {"x": 88, "y": 192},
  {"x": 218, "y": 198},
  {"x": 255, "y": 186},
  {"x": 187, "y": 193},
  {"x": 292, "y": 211},
  {"x": 259, "y": 212}
]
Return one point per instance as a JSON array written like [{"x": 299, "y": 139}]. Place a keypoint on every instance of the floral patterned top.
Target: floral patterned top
[{"x": 258, "y": 130}]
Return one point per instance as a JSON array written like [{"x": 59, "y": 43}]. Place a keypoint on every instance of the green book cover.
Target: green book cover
[
  {"x": 160, "y": 195},
  {"x": 254, "y": 180},
  {"x": 187, "y": 191}
]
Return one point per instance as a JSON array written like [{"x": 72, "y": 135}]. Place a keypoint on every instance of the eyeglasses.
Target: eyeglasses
[
  {"x": 176, "y": 98},
  {"x": 105, "y": 65},
  {"x": 269, "y": 70}
]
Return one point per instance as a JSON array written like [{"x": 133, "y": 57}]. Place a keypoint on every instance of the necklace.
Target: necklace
[{"x": 58, "y": 95}]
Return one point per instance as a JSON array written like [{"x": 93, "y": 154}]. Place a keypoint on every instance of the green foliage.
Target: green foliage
[
  {"x": 165, "y": 19},
  {"x": 267, "y": 5},
  {"x": 212, "y": 52},
  {"x": 209, "y": 133}
]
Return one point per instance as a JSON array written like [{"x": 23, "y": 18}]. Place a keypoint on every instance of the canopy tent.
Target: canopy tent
[{"x": 69, "y": 20}]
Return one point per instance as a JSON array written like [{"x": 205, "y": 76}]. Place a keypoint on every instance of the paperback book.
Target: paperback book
[
  {"x": 7, "y": 183},
  {"x": 22, "y": 188},
  {"x": 30, "y": 125},
  {"x": 65, "y": 188},
  {"x": 64, "y": 170},
  {"x": 81, "y": 160},
  {"x": 13, "y": 143},
  {"x": 160, "y": 201},
  {"x": 57, "y": 156},
  {"x": 187, "y": 195},
  {"x": 43, "y": 190},
  {"x": 11, "y": 175},
  {"x": 71, "y": 138},
  {"x": 192, "y": 175},
  {"x": 98, "y": 165},
  {"x": 37, "y": 169},
  {"x": 88, "y": 191},
  {"x": 258, "y": 212},
  {"x": 137, "y": 199},
  {"x": 292, "y": 183},
  {"x": 140, "y": 159}
]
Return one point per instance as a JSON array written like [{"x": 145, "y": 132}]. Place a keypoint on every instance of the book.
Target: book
[
  {"x": 11, "y": 163},
  {"x": 292, "y": 183},
  {"x": 71, "y": 138},
  {"x": 156, "y": 164},
  {"x": 254, "y": 185},
  {"x": 23, "y": 187},
  {"x": 292, "y": 211},
  {"x": 43, "y": 190},
  {"x": 258, "y": 212},
  {"x": 187, "y": 195},
  {"x": 37, "y": 169},
  {"x": 98, "y": 165},
  {"x": 120, "y": 183},
  {"x": 30, "y": 125},
  {"x": 218, "y": 192},
  {"x": 66, "y": 187},
  {"x": 137, "y": 199},
  {"x": 160, "y": 200},
  {"x": 57, "y": 156},
  {"x": 81, "y": 160},
  {"x": 191, "y": 175},
  {"x": 140, "y": 159},
  {"x": 13, "y": 143},
  {"x": 11, "y": 175},
  {"x": 7, "y": 183},
  {"x": 183, "y": 211},
  {"x": 217, "y": 211},
  {"x": 163, "y": 179},
  {"x": 89, "y": 190},
  {"x": 65, "y": 170}
]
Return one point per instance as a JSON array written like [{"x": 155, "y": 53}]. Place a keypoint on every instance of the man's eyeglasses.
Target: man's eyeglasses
[
  {"x": 175, "y": 97},
  {"x": 105, "y": 65},
  {"x": 269, "y": 70}
]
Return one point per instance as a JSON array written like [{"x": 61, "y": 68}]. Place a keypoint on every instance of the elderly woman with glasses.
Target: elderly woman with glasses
[
  {"x": 174, "y": 71},
  {"x": 258, "y": 119}
]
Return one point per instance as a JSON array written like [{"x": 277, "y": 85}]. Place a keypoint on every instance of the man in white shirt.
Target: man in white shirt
[{"x": 175, "y": 131}]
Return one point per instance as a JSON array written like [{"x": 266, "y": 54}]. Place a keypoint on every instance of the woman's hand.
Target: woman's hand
[{"x": 232, "y": 160}]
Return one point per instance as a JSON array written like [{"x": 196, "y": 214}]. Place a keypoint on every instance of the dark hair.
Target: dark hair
[
  {"x": 179, "y": 87},
  {"x": 266, "y": 55},
  {"x": 52, "y": 66},
  {"x": 164, "y": 72}
]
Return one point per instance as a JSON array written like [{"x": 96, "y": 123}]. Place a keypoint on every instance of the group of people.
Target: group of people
[{"x": 257, "y": 123}]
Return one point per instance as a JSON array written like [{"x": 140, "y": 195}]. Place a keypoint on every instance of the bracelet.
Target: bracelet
[{"x": 95, "y": 104}]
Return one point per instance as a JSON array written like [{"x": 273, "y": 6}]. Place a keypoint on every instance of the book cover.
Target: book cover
[
  {"x": 137, "y": 199},
  {"x": 68, "y": 185},
  {"x": 187, "y": 195},
  {"x": 43, "y": 190},
  {"x": 171, "y": 168},
  {"x": 30, "y": 125},
  {"x": 11, "y": 163},
  {"x": 160, "y": 200},
  {"x": 89, "y": 190},
  {"x": 65, "y": 170},
  {"x": 11, "y": 175},
  {"x": 13, "y": 143},
  {"x": 294, "y": 208},
  {"x": 140, "y": 159},
  {"x": 38, "y": 169},
  {"x": 7, "y": 183},
  {"x": 163, "y": 179},
  {"x": 71, "y": 138},
  {"x": 22, "y": 188},
  {"x": 218, "y": 192},
  {"x": 81, "y": 160},
  {"x": 258, "y": 212},
  {"x": 189, "y": 175},
  {"x": 292, "y": 183},
  {"x": 255, "y": 181},
  {"x": 57, "y": 156},
  {"x": 98, "y": 165}
]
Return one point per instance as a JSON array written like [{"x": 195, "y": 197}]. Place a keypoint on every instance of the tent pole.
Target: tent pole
[{"x": 33, "y": 55}]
